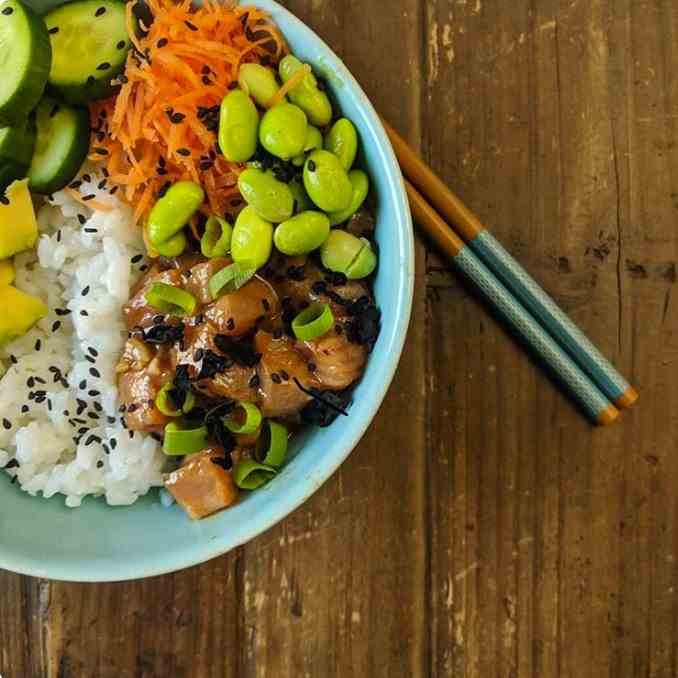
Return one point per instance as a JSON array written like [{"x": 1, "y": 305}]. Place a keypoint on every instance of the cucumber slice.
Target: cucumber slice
[
  {"x": 16, "y": 150},
  {"x": 61, "y": 145},
  {"x": 25, "y": 58},
  {"x": 89, "y": 47}
]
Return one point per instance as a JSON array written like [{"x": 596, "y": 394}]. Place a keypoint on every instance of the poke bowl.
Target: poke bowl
[{"x": 85, "y": 538}]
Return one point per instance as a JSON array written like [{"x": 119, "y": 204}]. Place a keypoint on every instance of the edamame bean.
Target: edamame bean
[
  {"x": 342, "y": 140},
  {"x": 172, "y": 212},
  {"x": 283, "y": 130},
  {"x": 238, "y": 126},
  {"x": 259, "y": 82},
  {"x": 314, "y": 140},
  {"x": 307, "y": 95},
  {"x": 301, "y": 200},
  {"x": 252, "y": 239},
  {"x": 344, "y": 253},
  {"x": 272, "y": 199},
  {"x": 327, "y": 182},
  {"x": 361, "y": 187},
  {"x": 216, "y": 242},
  {"x": 174, "y": 246},
  {"x": 302, "y": 233}
]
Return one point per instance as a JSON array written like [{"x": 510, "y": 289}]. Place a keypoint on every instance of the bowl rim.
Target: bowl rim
[{"x": 274, "y": 513}]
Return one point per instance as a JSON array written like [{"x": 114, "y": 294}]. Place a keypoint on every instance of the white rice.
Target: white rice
[{"x": 87, "y": 269}]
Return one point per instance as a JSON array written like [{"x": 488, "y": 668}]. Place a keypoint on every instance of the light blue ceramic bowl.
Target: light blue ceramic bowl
[{"x": 100, "y": 543}]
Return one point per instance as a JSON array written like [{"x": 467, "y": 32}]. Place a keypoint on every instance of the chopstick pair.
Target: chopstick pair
[{"x": 588, "y": 376}]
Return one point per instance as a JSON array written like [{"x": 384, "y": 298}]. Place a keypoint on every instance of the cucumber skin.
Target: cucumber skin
[
  {"x": 14, "y": 165},
  {"x": 84, "y": 94},
  {"x": 26, "y": 98},
  {"x": 72, "y": 163}
]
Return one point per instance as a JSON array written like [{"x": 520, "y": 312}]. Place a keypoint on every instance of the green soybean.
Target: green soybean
[
  {"x": 283, "y": 131},
  {"x": 172, "y": 212},
  {"x": 314, "y": 140},
  {"x": 272, "y": 199},
  {"x": 344, "y": 253},
  {"x": 361, "y": 187},
  {"x": 174, "y": 246},
  {"x": 327, "y": 182},
  {"x": 301, "y": 200},
  {"x": 238, "y": 126},
  {"x": 342, "y": 140},
  {"x": 259, "y": 82},
  {"x": 216, "y": 242},
  {"x": 252, "y": 239},
  {"x": 302, "y": 233},
  {"x": 307, "y": 95}
]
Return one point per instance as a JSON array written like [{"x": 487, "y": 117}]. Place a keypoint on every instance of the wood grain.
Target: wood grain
[{"x": 481, "y": 528}]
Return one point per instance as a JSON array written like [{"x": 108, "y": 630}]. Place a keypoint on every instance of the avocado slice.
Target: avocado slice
[
  {"x": 18, "y": 226},
  {"x": 18, "y": 313}
]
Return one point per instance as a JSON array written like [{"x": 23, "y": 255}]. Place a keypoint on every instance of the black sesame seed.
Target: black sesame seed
[
  {"x": 132, "y": 408},
  {"x": 93, "y": 351},
  {"x": 100, "y": 151},
  {"x": 92, "y": 415},
  {"x": 49, "y": 404},
  {"x": 100, "y": 11},
  {"x": 7, "y": 424},
  {"x": 7, "y": 11},
  {"x": 62, "y": 311},
  {"x": 206, "y": 80},
  {"x": 90, "y": 80},
  {"x": 95, "y": 372},
  {"x": 230, "y": 324},
  {"x": 254, "y": 381},
  {"x": 102, "y": 183},
  {"x": 13, "y": 359},
  {"x": 30, "y": 382},
  {"x": 93, "y": 393},
  {"x": 90, "y": 230},
  {"x": 87, "y": 178},
  {"x": 86, "y": 289},
  {"x": 24, "y": 409},
  {"x": 275, "y": 377},
  {"x": 82, "y": 219},
  {"x": 98, "y": 407},
  {"x": 311, "y": 166},
  {"x": 284, "y": 375},
  {"x": 100, "y": 464},
  {"x": 40, "y": 380},
  {"x": 137, "y": 258},
  {"x": 38, "y": 344},
  {"x": 190, "y": 26},
  {"x": 76, "y": 184},
  {"x": 114, "y": 190},
  {"x": 184, "y": 151},
  {"x": 162, "y": 42},
  {"x": 4, "y": 200},
  {"x": 121, "y": 45},
  {"x": 90, "y": 359},
  {"x": 90, "y": 196},
  {"x": 110, "y": 420},
  {"x": 122, "y": 409},
  {"x": 114, "y": 443},
  {"x": 58, "y": 237},
  {"x": 56, "y": 325}
]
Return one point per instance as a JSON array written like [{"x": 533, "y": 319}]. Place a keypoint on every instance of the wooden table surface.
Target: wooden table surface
[{"x": 482, "y": 528}]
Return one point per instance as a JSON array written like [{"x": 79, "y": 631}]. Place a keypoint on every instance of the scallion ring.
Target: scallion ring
[
  {"x": 180, "y": 440},
  {"x": 217, "y": 239},
  {"x": 249, "y": 475},
  {"x": 171, "y": 300},
  {"x": 313, "y": 322},
  {"x": 166, "y": 402},
  {"x": 230, "y": 279},
  {"x": 245, "y": 419},
  {"x": 272, "y": 444}
]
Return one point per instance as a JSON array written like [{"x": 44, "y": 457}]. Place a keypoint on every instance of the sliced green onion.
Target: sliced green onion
[
  {"x": 230, "y": 279},
  {"x": 249, "y": 475},
  {"x": 171, "y": 300},
  {"x": 313, "y": 322},
  {"x": 246, "y": 419},
  {"x": 164, "y": 401},
  {"x": 217, "y": 239},
  {"x": 179, "y": 441},
  {"x": 272, "y": 444}
]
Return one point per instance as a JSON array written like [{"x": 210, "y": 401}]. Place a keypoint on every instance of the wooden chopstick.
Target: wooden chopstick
[
  {"x": 522, "y": 286},
  {"x": 594, "y": 403}
]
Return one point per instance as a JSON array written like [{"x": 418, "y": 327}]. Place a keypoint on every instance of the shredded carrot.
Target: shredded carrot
[
  {"x": 94, "y": 204},
  {"x": 162, "y": 125}
]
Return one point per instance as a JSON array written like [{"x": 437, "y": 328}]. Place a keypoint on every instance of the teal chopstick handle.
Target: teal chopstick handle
[
  {"x": 547, "y": 312},
  {"x": 584, "y": 391}
]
